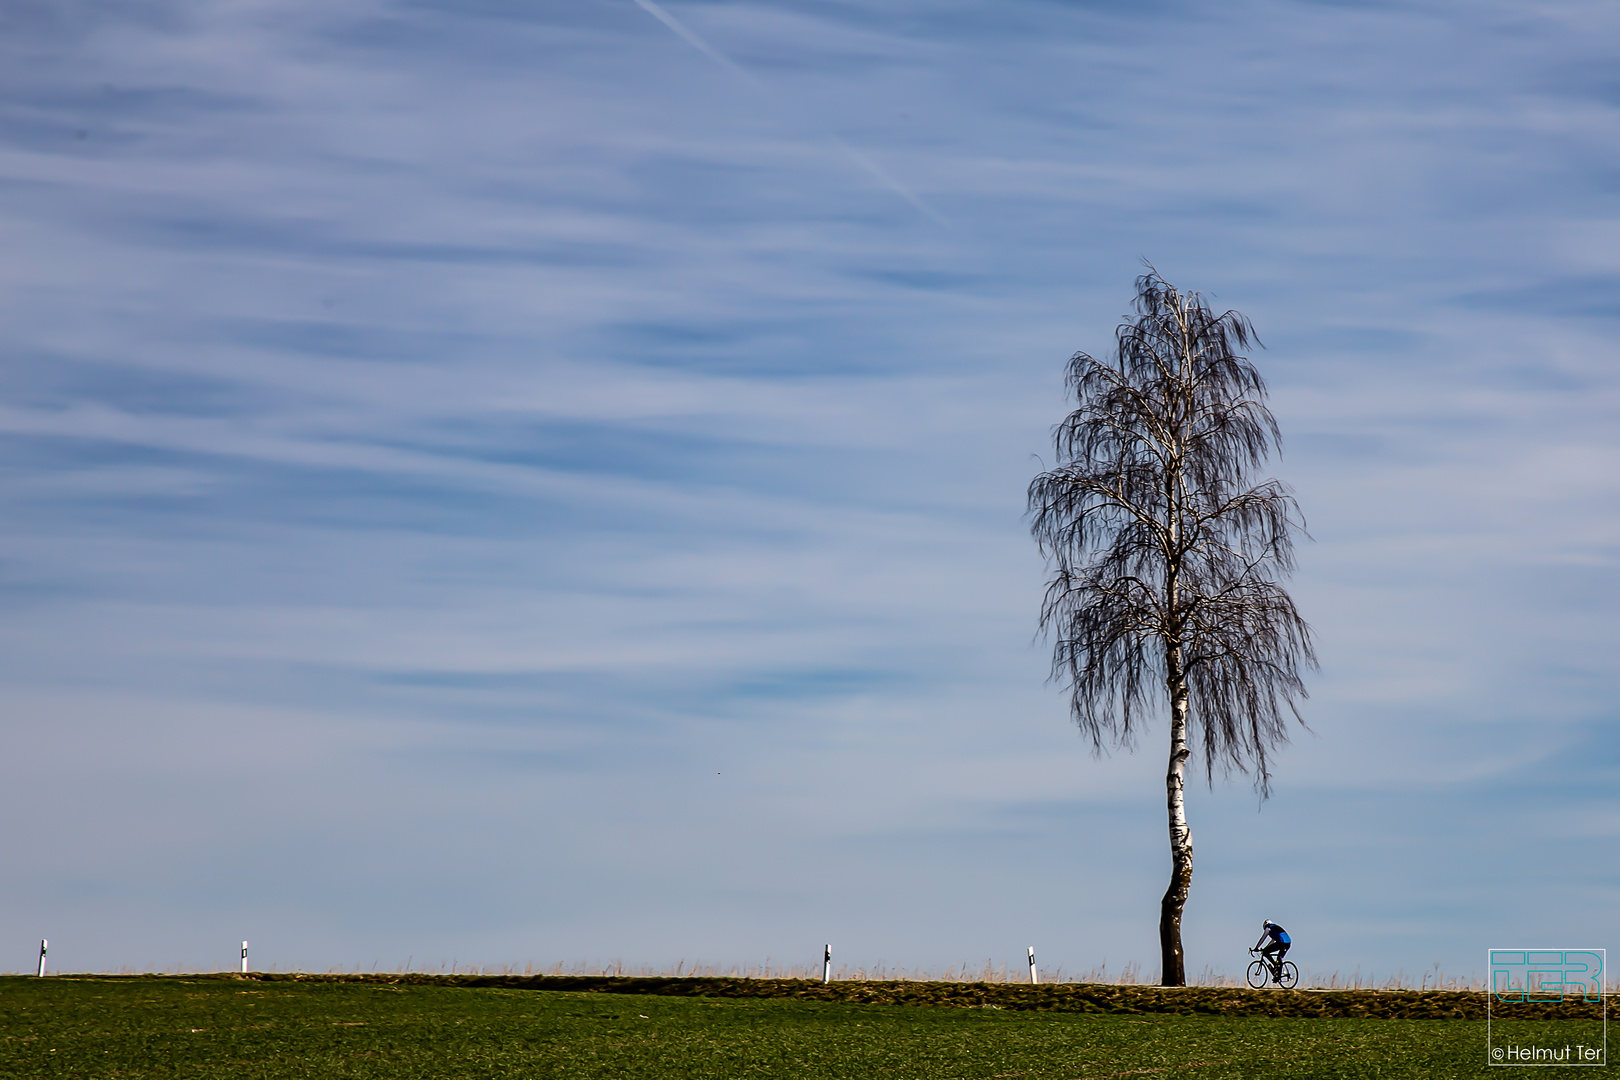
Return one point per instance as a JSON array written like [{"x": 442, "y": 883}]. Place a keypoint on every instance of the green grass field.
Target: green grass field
[{"x": 218, "y": 1027}]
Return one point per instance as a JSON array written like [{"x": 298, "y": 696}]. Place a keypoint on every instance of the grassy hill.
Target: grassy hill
[{"x": 374, "y": 1026}]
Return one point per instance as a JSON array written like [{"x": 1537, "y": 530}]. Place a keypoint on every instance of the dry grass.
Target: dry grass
[{"x": 1130, "y": 974}]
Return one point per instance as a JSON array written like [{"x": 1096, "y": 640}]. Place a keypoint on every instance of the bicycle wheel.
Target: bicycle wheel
[
  {"x": 1290, "y": 976},
  {"x": 1258, "y": 975}
]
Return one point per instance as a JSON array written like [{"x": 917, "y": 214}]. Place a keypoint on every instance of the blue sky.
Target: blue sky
[{"x": 513, "y": 482}]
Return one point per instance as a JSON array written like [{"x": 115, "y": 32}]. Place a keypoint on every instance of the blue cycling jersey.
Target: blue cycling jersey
[{"x": 1279, "y": 935}]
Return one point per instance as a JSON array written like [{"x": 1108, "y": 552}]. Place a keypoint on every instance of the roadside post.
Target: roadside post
[
  {"x": 44, "y": 944},
  {"x": 1033, "y": 978},
  {"x": 826, "y": 964},
  {"x": 244, "y": 958}
]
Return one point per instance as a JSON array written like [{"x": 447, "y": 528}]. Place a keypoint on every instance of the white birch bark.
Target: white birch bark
[{"x": 1181, "y": 852}]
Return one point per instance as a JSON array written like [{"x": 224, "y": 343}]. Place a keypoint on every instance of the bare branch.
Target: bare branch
[{"x": 1165, "y": 554}]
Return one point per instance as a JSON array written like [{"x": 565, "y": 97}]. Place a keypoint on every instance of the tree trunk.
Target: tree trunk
[{"x": 1181, "y": 852}]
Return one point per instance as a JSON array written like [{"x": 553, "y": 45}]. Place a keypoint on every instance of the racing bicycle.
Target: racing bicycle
[{"x": 1263, "y": 971}]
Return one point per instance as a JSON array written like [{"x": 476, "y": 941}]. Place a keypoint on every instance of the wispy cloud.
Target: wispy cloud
[{"x": 491, "y": 442}]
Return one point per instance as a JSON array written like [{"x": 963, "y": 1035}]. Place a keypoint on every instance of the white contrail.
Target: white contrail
[
  {"x": 685, "y": 33},
  {"x": 878, "y": 171},
  {"x": 693, "y": 40}
]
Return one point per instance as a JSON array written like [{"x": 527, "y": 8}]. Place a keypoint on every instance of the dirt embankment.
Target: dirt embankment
[{"x": 1055, "y": 997}]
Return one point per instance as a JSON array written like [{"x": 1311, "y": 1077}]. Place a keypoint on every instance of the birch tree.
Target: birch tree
[{"x": 1166, "y": 557}]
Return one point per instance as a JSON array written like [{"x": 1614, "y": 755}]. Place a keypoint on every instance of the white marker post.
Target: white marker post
[
  {"x": 244, "y": 958},
  {"x": 44, "y": 944},
  {"x": 1033, "y": 978},
  {"x": 826, "y": 965}
]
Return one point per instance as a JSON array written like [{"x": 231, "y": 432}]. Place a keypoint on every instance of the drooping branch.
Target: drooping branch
[{"x": 1160, "y": 541}]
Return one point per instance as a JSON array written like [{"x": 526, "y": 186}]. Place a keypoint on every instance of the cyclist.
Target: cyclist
[{"x": 1276, "y": 941}]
